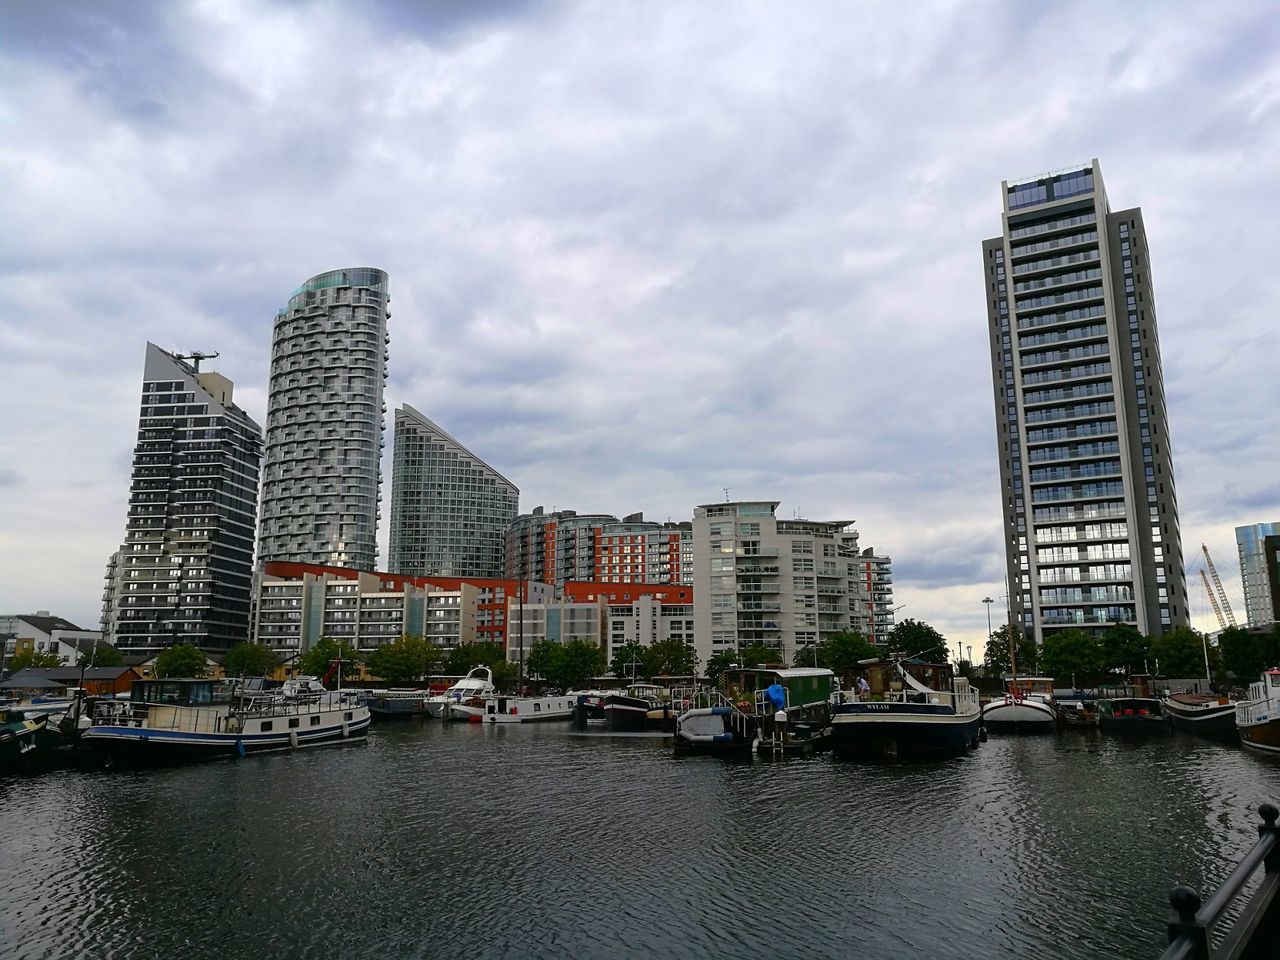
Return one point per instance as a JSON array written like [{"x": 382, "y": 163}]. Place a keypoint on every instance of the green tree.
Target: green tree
[
  {"x": 1180, "y": 652},
  {"x": 1242, "y": 654},
  {"x": 840, "y": 652},
  {"x": 181, "y": 660},
  {"x": 467, "y": 655},
  {"x": 756, "y": 655},
  {"x": 1125, "y": 649},
  {"x": 670, "y": 658},
  {"x": 103, "y": 655},
  {"x": 33, "y": 658},
  {"x": 320, "y": 657},
  {"x": 1071, "y": 656},
  {"x": 565, "y": 665},
  {"x": 506, "y": 675},
  {"x": 718, "y": 663},
  {"x": 630, "y": 662},
  {"x": 916, "y": 638},
  {"x": 996, "y": 657},
  {"x": 405, "y": 659},
  {"x": 249, "y": 660}
]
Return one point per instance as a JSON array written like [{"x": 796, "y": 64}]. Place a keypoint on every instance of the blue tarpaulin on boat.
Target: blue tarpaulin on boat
[{"x": 777, "y": 694}]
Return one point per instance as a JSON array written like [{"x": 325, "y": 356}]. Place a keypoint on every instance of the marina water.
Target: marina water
[{"x": 434, "y": 840}]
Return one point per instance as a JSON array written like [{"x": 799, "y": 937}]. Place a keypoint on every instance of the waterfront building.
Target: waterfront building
[
  {"x": 297, "y": 603},
  {"x": 761, "y": 580},
  {"x": 184, "y": 572},
  {"x": 554, "y": 547},
  {"x": 875, "y": 577},
  {"x": 1261, "y": 597},
  {"x": 322, "y": 470},
  {"x": 449, "y": 509},
  {"x": 43, "y": 633},
  {"x": 638, "y": 613},
  {"x": 1091, "y": 527},
  {"x": 634, "y": 550}
]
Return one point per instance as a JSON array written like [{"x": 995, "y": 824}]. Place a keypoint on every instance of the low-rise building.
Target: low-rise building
[{"x": 44, "y": 633}]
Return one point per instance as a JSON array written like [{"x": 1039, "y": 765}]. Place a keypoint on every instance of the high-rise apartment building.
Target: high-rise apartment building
[
  {"x": 1259, "y": 598},
  {"x": 554, "y": 547},
  {"x": 322, "y": 469},
  {"x": 184, "y": 572},
  {"x": 758, "y": 580},
  {"x": 1086, "y": 473},
  {"x": 449, "y": 509},
  {"x": 634, "y": 550}
]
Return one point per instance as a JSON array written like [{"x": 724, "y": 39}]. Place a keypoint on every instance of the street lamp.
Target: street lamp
[{"x": 988, "y": 601}]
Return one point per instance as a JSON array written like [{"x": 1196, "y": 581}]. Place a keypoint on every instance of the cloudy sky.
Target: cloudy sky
[{"x": 639, "y": 252}]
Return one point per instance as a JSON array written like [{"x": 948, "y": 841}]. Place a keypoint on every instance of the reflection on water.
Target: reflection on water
[{"x": 434, "y": 839}]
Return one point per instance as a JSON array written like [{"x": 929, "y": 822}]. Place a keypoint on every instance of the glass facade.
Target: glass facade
[{"x": 1255, "y": 579}]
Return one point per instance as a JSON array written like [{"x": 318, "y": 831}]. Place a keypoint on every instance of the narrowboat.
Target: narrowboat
[
  {"x": 1258, "y": 718},
  {"x": 502, "y": 709}
]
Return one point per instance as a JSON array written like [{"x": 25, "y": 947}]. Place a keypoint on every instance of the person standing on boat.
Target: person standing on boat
[{"x": 863, "y": 688}]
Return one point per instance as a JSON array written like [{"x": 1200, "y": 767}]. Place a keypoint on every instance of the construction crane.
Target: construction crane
[
  {"x": 1213, "y": 601},
  {"x": 195, "y": 356},
  {"x": 1217, "y": 584}
]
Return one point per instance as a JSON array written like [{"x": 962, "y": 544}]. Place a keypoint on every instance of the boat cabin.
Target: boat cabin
[
  {"x": 1130, "y": 707},
  {"x": 178, "y": 693},
  {"x": 804, "y": 685},
  {"x": 1024, "y": 685},
  {"x": 884, "y": 679}
]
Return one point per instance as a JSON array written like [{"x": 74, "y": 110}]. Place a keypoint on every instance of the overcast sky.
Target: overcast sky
[{"x": 639, "y": 253}]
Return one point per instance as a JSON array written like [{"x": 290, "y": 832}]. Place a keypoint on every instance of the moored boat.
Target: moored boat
[
  {"x": 1025, "y": 707},
  {"x": 711, "y": 723},
  {"x": 1203, "y": 714},
  {"x": 502, "y": 709},
  {"x": 478, "y": 683},
  {"x": 1133, "y": 715},
  {"x": 19, "y": 740},
  {"x": 167, "y": 721},
  {"x": 396, "y": 703},
  {"x": 631, "y": 711},
  {"x": 1258, "y": 718},
  {"x": 917, "y": 721}
]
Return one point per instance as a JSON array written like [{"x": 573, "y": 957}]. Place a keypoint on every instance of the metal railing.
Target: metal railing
[{"x": 1256, "y": 931}]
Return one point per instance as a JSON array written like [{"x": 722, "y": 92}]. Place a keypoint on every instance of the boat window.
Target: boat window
[
  {"x": 315, "y": 721},
  {"x": 537, "y": 707},
  {"x": 293, "y": 722},
  {"x": 347, "y": 715},
  {"x": 1275, "y": 679},
  {"x": 266, "y": 726}
]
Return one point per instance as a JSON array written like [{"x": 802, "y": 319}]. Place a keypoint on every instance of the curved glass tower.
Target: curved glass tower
[{"x": 322, "y": 463}]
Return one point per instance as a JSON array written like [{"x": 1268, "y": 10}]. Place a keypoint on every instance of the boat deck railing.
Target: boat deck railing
[
  {"x": 1253, "y": 711},
  {"x": 214, "y": 718},
  {"x": 1256, "y": 930}
]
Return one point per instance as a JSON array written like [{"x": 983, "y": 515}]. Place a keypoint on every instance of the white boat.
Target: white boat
[
  {"x": 476, "y": 684},
  {"x": 167, "y": 721},
  {"x": 528, "y": 709},
  {"x": 1258, "y": 718},
  {"x": 1025, "y": 707}
]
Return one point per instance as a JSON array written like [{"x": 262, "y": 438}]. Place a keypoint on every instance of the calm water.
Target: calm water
[{"x": 436, "y": 840}]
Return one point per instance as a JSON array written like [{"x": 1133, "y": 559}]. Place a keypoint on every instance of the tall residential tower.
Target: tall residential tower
[
  {"x": 322, "y": 470},
  {"x": 1259, "y": 595},
  {"x": 449, "y": 509},
  {"x": 1086, "y": 474},
  {"x": 185, "y": 570}
]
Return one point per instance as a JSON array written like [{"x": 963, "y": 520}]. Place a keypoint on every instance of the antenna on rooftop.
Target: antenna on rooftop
[
  {"x": 726, "y": 494},
  {"x": 195, "y": 356}
]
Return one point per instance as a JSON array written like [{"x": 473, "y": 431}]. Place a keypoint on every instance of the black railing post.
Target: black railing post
[
  {"x": 1183, "y": 922},
  {"x": 1269, "y": 813}
]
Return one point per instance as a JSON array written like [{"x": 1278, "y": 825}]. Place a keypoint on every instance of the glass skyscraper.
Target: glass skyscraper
[
  {"x": 322, "y": 471},
  {"x": 449, "y": 509},
  {"x": 184, "y": 572},
  {"x": 1086, "y": 473},
  {"x": 1259, "y": 601}
]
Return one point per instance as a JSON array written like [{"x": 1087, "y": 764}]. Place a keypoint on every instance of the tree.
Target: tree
[
  {"x": 33, "y": 658},
  {"x": 467, "y": 655},
  {"x": 1071, "y": 655},
  {"x": 1180, "y": 652},
  {"x": 718, "y": 663},
  {"x": 404, "y": 659},
  {"x": 565, "y": 665},
  {"x": 916, "y": 638},
  {"x": 756, "y": 655},
  {"x": 630, "y": 662},
  {"x": 317, "y": 660},
  {"x": 249, "y": 660},
  {"x": 840, "y": 652},
  {"x": 181, "y": 660},
  {"x": 996, "y": 657},
  {"x": 1246, "y": 653},
  {"x": 1125, "y": 649},
  {"x": 102, "y": 655},
  {"x": 505, "y": 675},
  {"x": 671, "y": 658}
]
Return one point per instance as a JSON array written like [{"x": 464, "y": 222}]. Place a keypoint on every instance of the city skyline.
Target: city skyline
[{"x": 627, "y": 285}]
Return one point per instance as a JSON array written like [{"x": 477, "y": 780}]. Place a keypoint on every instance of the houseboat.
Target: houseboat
[
  {"x": 642, "y": 706},
  {"x": 395, "y": 703},
  {"x": 1258, "y": 718},
  {"x": 915, "y": 719},
  {"x": 1127, "y": 714},
  {"x": 1203, "y": 714},
  {"x": 502, "y": 709},
  {"x": 1025, "y": 707},
  {"x": 167, "y": 721}
]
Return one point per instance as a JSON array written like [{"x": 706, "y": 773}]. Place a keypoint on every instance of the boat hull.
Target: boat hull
[
  {"x": 1138, "y": 726},
  {"x": 1019, "y": 716},
  {"x": 715, "y": 730},
  {"x": 1263, "y": 736},
  {"x": 1217, "y": 722},
  {"x": 627, "y": 714},
  {"x": 880, "y": 731},
  {"x": 394, "y": 708},
  {"x": 141, "y": 746}
]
